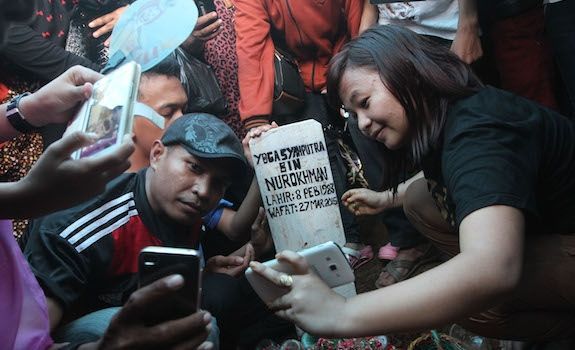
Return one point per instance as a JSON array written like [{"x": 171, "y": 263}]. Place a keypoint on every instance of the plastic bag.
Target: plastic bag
[{"x": 201, "y": 84}]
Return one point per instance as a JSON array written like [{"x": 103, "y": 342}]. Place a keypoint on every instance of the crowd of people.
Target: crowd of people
[{"x": 449, "y": 119}]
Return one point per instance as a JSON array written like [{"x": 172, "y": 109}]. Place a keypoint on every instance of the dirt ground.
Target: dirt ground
[{"x": 374, "y": 233}]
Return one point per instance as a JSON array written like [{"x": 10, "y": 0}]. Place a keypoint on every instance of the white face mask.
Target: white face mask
[{"x": 147, "y": 112}]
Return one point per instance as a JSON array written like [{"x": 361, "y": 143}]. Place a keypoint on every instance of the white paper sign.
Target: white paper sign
[{"x": 296, "y": 183}]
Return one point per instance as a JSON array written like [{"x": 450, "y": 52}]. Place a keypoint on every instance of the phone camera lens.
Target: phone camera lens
[{"x": 333, "y": 267}]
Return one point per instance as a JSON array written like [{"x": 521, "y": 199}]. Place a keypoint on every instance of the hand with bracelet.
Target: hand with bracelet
[
  {"x": 56, "y": 102},
  {"x": 57, "y": 181}
]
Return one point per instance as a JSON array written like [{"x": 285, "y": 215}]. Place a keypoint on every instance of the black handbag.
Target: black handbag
[
  {"x": 201, "y": 84},
  {"x": 289, "y": 89}
]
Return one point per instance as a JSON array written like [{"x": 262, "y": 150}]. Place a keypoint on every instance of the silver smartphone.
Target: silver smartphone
[
  {"x": 326, "y": 260},
  {"x": 158, "y": 262},
  {"x": 108, "y": 113}
]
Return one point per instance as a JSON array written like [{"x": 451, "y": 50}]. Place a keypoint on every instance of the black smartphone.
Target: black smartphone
[
  {"x": 205, "y": 6},
  {"x": 158, "y": 262}
]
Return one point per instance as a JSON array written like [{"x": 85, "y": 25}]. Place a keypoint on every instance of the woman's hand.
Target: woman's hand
[
  {"x": 363, "y": 201},
  {"x": 310, "y": 304},
  {"x": 253, "y": 134}
]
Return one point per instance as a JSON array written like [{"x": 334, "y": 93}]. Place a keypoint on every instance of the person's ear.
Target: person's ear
[{"x": 157, "y": 152}]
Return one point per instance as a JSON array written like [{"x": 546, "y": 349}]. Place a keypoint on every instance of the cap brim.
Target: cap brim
[{"x": 240, "y": 161}]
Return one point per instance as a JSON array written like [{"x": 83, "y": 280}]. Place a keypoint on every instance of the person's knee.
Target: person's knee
[
  {"x": 506, "y": 321},
  {"x": 87, "y": 328},
  {"x": 415, "y": 199}
]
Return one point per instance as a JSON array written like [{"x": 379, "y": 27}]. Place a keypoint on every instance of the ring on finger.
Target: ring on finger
[{"x": 286, "y": 280}]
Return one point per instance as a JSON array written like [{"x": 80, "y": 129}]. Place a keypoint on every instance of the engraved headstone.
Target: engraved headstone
[{"x": 296, "y": 184}]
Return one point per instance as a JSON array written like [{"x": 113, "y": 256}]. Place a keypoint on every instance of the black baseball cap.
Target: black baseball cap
[{"x": 206, "y": 136}]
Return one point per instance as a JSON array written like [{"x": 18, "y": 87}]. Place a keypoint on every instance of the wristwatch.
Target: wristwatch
[{"x": 16, "y": 119}]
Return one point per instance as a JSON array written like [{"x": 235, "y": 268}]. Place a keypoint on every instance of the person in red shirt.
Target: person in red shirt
[{"x": 312, "y": 32}]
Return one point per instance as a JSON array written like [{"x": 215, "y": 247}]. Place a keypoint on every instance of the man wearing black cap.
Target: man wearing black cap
[{"x": 89, "y": 254}]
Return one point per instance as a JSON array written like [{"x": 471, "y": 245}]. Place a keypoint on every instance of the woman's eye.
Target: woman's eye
[{"x": 364, "y": 103}]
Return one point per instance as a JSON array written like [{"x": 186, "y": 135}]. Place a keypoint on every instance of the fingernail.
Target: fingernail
[
  {"x": 239, "y": 260},
  {"x": 206, "y": 346},
  {"x": 207, "y": 317},
  {"x": 91, "y": 24},
  {"x": 174, "y": 281}
]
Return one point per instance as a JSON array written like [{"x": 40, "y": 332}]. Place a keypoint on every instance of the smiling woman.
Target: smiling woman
[
  {"x": 411, "y": 78},
  {"x": 379, "y": 114},
  {"x": 498, "y": 199}
]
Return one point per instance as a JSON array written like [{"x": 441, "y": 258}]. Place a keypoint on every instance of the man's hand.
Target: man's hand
[
  {"x": 253, "y": 134},
  {"x": 128, "y": 331},
  {"x": 230, "y": 265},
  {"x": 467, "y": 45},
  {"x": 59, "y": 100},
  {"x": 106, "y": 23},
  {"x": 261, "y": 238},
  {"x": 56, "y": 181}
]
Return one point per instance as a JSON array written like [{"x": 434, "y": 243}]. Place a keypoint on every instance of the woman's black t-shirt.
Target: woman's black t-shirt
[{"x": 502, "y": 149}]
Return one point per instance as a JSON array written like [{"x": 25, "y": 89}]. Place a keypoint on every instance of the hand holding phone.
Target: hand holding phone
[
  {"x": 158, "y": 262},
  {"x": 326, "y": 260},
  {"x": 132, "y": 329}
]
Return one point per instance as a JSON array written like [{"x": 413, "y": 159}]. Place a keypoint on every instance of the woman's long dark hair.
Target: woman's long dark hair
[{"x": 424, "y": 77}]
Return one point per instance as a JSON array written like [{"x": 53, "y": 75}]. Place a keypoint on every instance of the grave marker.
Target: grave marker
[{"x": 296, "y": 183}]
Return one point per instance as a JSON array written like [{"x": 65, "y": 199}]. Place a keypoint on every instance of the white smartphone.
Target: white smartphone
[
  {"x": 326, "y": 260},
  {"x": 158, "y": 262},
  {"x": 108, "y": 113}
]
